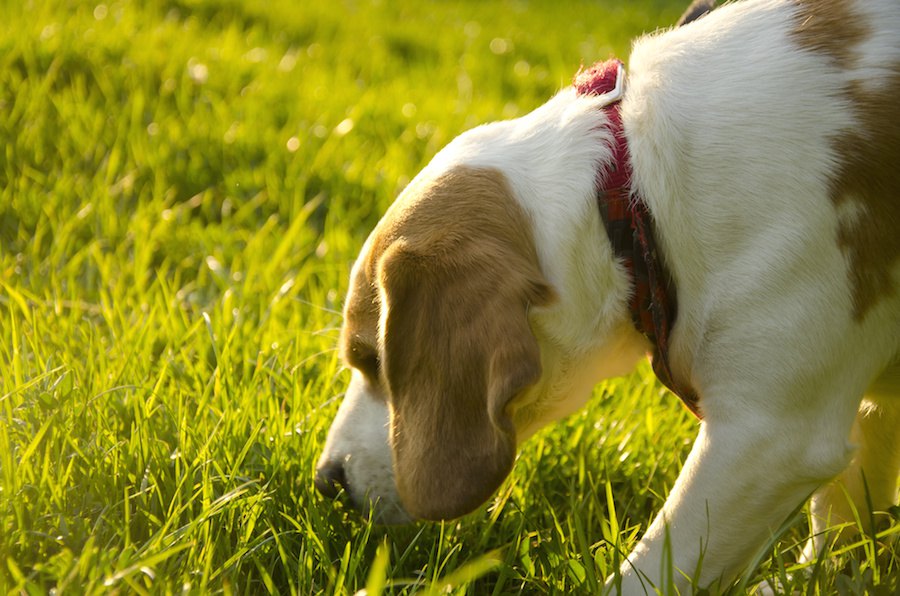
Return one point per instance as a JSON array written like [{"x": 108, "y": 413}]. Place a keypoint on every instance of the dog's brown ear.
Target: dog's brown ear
[
  {"x": 697, "y": 9},
  {"x": 457, "y": 348}
]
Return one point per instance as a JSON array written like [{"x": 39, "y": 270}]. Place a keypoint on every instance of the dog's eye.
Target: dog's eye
[
  {"x": 365, "y": 360},
  {"x": 371, "y": 367}
]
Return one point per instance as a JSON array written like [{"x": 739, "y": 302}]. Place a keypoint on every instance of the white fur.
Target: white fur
[{"x": 765, "y": 329}]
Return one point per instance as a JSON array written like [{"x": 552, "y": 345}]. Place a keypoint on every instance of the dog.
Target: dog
[{"x": 728, "y": 203}]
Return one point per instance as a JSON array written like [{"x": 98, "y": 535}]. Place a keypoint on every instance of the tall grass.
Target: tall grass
[{"x": 183, "y": 185}]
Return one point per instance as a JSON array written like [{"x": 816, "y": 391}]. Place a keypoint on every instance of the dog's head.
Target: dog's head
[
  {"x": 460, "y": 344},
  {"x": 436, "y": 330}
]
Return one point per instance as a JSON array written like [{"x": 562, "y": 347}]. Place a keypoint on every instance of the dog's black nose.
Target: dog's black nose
[{"x": 330, "y": 479}]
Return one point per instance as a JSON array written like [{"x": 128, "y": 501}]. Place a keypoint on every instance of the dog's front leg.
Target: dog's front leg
[{"x": 739, "y": 483}]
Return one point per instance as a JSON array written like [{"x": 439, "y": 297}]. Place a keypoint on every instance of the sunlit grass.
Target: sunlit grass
[{"x": 183, "y": 186}]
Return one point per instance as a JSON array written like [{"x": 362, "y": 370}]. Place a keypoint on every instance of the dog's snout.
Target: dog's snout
[{"x": 331, "y": 478}]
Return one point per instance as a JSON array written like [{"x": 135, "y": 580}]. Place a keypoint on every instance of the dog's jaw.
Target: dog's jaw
[{"x": 358, "y": 444}]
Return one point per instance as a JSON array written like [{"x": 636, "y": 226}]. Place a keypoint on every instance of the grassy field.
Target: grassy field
[{"x": 183, "y": 187}]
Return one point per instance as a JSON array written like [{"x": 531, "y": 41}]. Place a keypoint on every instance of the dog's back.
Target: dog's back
[{"x": 788, "y": 153}]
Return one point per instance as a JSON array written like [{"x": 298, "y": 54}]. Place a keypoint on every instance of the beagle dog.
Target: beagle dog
[{"x": 738, "y": 187}]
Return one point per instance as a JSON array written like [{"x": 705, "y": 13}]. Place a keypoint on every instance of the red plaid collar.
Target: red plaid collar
[{"x": 629, "y": 225}]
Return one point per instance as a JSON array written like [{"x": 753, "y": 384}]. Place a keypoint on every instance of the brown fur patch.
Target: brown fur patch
[
  {"x": 869, "y": 154},
  {"x": 870, "y": 176},
  {"x": 829, "y": 27},
  {"x": 452, "y": 268}
]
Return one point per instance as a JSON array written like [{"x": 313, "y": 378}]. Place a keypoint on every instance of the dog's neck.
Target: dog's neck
[{"x": 629, "y": 226}]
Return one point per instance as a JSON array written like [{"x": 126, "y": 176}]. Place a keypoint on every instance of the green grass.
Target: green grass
[{"x": 183, "y": 186}]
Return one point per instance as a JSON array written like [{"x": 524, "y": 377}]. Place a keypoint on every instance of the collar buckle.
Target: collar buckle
[
  {"x": 604, "y": 80},
  {"x": 618, "y": 91}
]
